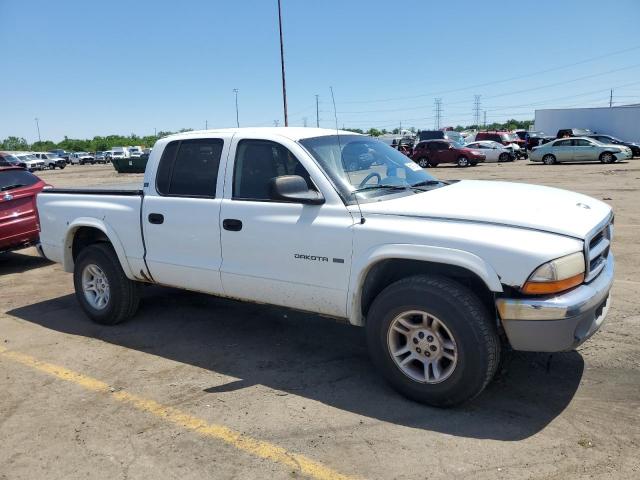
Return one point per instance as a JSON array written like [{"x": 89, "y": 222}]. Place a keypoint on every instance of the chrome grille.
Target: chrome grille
[{"x": 596, "y": 248}]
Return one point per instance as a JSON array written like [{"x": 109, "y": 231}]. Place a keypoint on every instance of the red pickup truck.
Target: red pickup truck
[{"x": 19, "y": 225}]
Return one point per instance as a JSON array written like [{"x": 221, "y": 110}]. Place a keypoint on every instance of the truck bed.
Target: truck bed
[{"x": 114, "y": 210}]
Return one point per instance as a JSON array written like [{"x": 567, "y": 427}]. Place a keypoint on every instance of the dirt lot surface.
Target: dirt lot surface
[{"x": 200, "y": 387}]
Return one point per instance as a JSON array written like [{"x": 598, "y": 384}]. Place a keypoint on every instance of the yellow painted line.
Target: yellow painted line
[{"x": 259, "y": 448}]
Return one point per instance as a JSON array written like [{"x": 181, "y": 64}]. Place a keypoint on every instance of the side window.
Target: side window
[
  {"x": 562, "y": 143},
  {"x": 582, "y": 142},
  {"x": 189, "y": 168},
  {"x": 257, "y": 163}
]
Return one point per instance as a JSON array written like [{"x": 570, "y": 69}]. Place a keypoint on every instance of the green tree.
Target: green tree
[
  {"x": 43, "y": 146},
  {"x": 374, "y": 132},
  {"x": 14, "y": 143}
]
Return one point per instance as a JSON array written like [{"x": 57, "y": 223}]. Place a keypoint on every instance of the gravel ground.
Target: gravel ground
[{"x": 304, "y": 383}]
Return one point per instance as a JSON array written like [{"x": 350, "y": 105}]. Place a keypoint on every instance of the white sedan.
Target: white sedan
[{"x": 494, "y": 151}]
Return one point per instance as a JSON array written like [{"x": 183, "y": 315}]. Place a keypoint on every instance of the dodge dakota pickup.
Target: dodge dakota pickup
[{"x": 442, "y": 275}]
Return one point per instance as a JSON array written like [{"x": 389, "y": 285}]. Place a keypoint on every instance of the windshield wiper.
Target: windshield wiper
[
  {"x": 386, "y": 187},
  {"x": 9, "y": 187},
  {"x": 428, "y": 183}
]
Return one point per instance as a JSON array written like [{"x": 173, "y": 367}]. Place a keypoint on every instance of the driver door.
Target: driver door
[{"x": 279, "y": 252}]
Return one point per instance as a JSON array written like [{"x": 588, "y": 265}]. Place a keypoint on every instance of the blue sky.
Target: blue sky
[{"x": 88, "y": 68}]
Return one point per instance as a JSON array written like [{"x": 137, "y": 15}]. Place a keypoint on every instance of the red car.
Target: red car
[
  {"x": 432, "y": 153},
  {"x": 19, "y": 226}
]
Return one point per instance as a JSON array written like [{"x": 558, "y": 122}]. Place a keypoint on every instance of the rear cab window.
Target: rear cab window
[{"x": 189, "y": 168}]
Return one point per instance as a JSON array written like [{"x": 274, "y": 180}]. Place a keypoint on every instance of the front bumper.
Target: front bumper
[{"x": 558, "y": 323}]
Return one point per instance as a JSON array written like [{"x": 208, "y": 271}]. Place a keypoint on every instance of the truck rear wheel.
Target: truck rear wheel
[
  {"x": 433, "y": 340},
  {"x": 104, "y": 292}
]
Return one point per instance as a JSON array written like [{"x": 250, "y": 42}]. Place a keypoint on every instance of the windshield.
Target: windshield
[{"x": 367, "y": 168}]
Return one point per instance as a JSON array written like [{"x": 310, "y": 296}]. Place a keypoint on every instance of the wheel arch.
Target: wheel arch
[
  {"x": 83, "y": 232},
  {"x": 385, "y": 265}
]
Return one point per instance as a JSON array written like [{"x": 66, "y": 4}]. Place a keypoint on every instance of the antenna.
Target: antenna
[{"x": 335, "y": 116}]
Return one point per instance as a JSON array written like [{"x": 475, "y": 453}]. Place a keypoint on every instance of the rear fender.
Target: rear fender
[{"x": 109, "y": 232}]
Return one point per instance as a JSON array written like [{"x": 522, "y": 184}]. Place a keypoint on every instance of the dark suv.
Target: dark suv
[
  {"x": 441, "y": 135},
  {"x": 635, "y": 147},
  {"x": 432, "y": 153}
]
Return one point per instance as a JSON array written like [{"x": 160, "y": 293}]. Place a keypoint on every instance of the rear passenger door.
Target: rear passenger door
[
  {"x": 181, "y": 213},
  {"x": 563, "y": 150}
]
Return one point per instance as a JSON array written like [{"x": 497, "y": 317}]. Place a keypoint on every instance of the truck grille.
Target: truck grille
[{"x": 596, "y": 248}]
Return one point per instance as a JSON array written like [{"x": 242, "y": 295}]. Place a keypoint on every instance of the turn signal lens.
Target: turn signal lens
[
  {"x": 541, "y": 288},
  {"x": 557, "y": 275}
]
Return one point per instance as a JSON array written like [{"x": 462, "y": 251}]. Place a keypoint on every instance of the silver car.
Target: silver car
[{"x": 579, "y": 149}]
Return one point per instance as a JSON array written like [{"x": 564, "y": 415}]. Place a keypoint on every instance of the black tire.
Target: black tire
[
  {"x": 474, "y": 164},
  {"x": 80, "y": 162},
  {"x": 462, "y": 161},
  {"x": 62, "y": 166},
  {"x": 607, "y": 157},
  {"x": 504, "y": 157},
  {"x": 124, "y": 294},
  {"x": 423, "y": 162},
  {"x": 467, "y": 319},
  {"x": 549, "y": 159},
  {"x": 93, "y": 163}
]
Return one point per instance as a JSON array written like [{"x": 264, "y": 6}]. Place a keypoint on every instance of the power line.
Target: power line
[{"x": 518, "y": 77}]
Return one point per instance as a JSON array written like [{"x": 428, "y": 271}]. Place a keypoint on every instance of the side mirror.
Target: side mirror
[{"x": 294, "y": 189}]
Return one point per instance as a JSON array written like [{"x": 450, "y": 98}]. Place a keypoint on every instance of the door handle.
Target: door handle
[
  {"x": 232, "y": 224},
  {"x": 156, "y": 218}
]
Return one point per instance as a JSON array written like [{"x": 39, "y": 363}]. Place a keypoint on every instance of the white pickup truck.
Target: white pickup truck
[{"x": 443, "y": 275}]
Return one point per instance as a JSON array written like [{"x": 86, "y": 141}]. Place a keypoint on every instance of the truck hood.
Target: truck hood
[{"x": 514, "y": 204}]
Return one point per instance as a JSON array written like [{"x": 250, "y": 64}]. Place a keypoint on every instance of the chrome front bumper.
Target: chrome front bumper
[{"x": 558, "y": 322}]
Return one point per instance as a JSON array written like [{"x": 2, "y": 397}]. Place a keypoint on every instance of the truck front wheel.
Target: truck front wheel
[
  {"x": 433, "y": 340},
  {"x": 104, "y": 292}
]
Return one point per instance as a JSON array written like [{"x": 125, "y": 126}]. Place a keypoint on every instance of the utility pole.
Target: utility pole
[
  {"x": 155, "y": 132},
  {"x": 206, "y": 124},
  {"x": 400, "y": 131},
  {"x": 438, "y": 110},
  {"x": 304, "y": 121},
  {"x": 284, "y": 85},
  {"x": 610, "y": 99},
  {"x": 476, "y": 109},
  {"x": 235, "y": 90},
  {"x": 317, "y": 113},
  {"x": 485, "y": 119},
  {"x": 38, "y": 128}
]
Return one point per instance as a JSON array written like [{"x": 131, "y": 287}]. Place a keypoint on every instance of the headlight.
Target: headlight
[{"x": 557, "y": 275}]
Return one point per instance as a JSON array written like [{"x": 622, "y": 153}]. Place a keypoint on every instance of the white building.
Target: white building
[{"x": 622, "y": 122}]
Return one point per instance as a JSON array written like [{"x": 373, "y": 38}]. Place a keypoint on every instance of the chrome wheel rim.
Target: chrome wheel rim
[
  {"x": 463, "y": 162},
  {"x": 422, "y": 347},
  {"x": 607, "y": 157},
  {"x": 423, "y": 163},
  {"x": 95, "y": 286}
]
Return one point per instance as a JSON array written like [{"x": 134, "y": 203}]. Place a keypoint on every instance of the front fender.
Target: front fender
[
  {"x": 448, "y": 256},
  {"x": 105, "y": 228}
]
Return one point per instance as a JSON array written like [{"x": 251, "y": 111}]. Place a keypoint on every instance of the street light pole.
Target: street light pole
[
  {"x": 38, "y": 127},
  {"x": 317, "y": 113},
  {"x": 235, "y": 90},
  {"x": 284, "y": 84}
]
